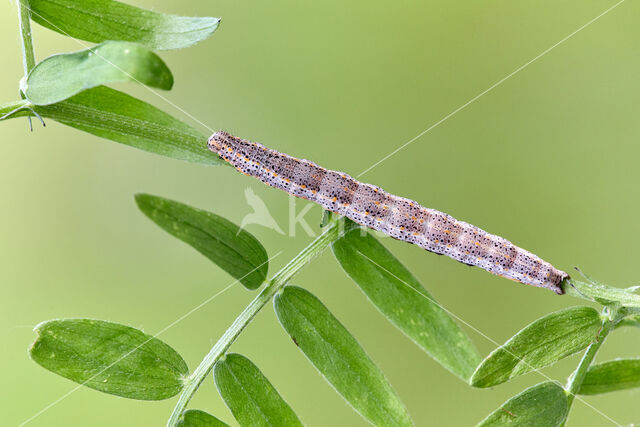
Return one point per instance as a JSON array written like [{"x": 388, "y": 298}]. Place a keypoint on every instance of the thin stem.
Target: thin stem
[
  {"x": 331, "y": 234},
  {"x": 14, "y": 109},
  {"x": 577, "y": 377},
  {"x": 28, "y": 53}
]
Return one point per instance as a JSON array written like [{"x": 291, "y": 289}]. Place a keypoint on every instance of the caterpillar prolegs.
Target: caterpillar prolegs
[{"x": 398, "y": 217}]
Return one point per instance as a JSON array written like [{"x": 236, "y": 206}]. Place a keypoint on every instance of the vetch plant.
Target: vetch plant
[
  {"x": 105, "y": 356},
  {"x": 123, "y": 361}
]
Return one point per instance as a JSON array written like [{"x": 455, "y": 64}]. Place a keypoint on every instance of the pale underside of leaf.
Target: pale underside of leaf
[
  {"x": 604, "y": 294},
  {"x": 61, "y": 76},
  {"x": 100, "y": 20}
]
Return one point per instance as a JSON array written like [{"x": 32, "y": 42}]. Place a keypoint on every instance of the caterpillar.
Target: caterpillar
[{"x": 400, "y": 218}]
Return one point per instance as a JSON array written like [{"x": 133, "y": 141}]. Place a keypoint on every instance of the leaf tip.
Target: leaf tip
[
  {"x": 475, "y": 382},
  {"x": 38, "y": 328},
  {"x": 143, "y": 200},
  {"x": 140, "y": 197}
]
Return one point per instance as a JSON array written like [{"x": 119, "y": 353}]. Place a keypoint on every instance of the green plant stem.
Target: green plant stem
[
  {"x": 633, "y": 321},
  {"x": 334, "y": 230},
  {"x": 577, "y": 377},
  {"x": 28, "y": 53}
]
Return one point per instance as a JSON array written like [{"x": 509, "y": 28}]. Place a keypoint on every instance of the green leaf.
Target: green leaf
[
  {"x": 540, "y": 344},
  {"x": 605, "y": 295},
  {"x": 544, "y": 404},
  {"x": 61, "y": 76},
  {"x": 197, "y": 418},
  {"x": 249, "y": 394},
  {"x": 339, "y": 357},
  {"x": 109, "y": 357},
  {"x": 114, "y": 115},
  {"x": 233, "y": 249},
  {"x": 401, "y": 298},
  {"x": 609, "y": 376},
  {"x": 100, "y": 20}
]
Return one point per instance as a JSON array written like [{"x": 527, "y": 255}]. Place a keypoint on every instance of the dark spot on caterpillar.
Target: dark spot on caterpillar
[{"x": 295, "y": 341}]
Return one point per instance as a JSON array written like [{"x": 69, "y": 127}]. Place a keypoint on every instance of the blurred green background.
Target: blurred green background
[{"x": 548, "y": 160}]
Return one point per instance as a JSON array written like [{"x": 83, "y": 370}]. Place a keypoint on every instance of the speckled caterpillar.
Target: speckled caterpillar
[{"x": 398, "y": 217}]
